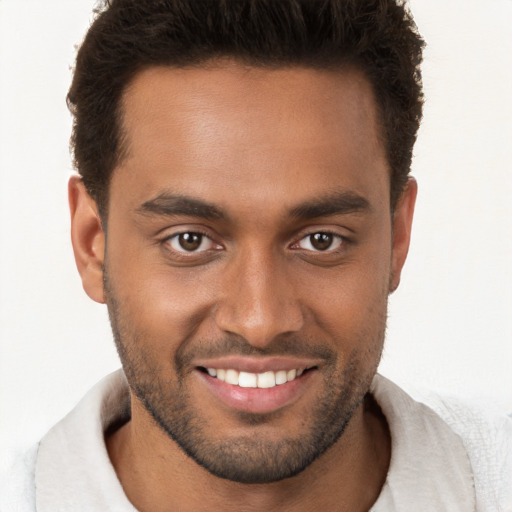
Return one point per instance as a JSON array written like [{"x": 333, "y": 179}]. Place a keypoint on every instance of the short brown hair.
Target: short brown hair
[{"x": 378, "y": 37}]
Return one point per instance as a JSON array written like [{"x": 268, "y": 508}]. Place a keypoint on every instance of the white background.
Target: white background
[{"x": 450, "y": 325}]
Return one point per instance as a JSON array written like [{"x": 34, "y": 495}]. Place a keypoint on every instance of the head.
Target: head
[{"x": 244, "y": 210}]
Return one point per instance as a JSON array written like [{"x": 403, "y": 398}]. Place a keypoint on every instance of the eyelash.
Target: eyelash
[
  {"x": 183, "y": 253},
  {"x": 336, "y": 236}
]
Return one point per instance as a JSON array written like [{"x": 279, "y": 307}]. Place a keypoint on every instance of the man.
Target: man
[{"x": 244, "y": 210}]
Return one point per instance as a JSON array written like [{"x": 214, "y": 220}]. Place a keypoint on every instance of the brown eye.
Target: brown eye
[
  {"x": 190, "y": 242},
  {"x": 321, "y": 242}
]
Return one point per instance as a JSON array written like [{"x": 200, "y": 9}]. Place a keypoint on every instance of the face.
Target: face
[{"x": 249, "y": 257}]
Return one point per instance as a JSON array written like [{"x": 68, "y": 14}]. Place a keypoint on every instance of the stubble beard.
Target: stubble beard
[{"x": 243, "y": 459}]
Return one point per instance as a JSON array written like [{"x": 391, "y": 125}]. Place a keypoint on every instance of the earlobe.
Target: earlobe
[
  {"x": 402, "y": 225},
  {"x": 88, "y": 238}
]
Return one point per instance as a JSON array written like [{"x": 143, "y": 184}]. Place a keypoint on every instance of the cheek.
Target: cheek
[
  {"x": 163, "y": 306},
  {"x": 350, "y": 301}
]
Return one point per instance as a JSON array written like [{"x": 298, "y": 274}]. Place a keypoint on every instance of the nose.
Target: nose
[{"x": 259, "y": 300}]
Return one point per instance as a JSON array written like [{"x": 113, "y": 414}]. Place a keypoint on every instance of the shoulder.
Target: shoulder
[
  {"x": 487, "y": 438},
  {"x": 69, "y": 468},
  {"x": 17, "y": 484},
  {"x": 484, "y": 436}
]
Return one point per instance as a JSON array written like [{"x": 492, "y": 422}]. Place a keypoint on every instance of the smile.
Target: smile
[
  {"x": 263, "y": 380},
  {"x": 258, "y": 384}
]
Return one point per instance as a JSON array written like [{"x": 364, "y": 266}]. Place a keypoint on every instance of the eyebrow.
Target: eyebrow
[
  {"x": 338, "y": 203},
  {"x": 173, "y": 204}
]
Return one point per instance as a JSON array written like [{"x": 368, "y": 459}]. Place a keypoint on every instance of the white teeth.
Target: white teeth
[
  {"x": 266, "y": 380},
  {"x": 281, "y": 377},
  {"x": 252, "y": 380},
  {"x": 291, "y": 374},
  {"x": 232, "y": 377},
  {"x": 247, "y": 380}
]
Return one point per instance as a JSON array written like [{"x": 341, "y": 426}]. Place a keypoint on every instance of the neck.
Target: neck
[{"x": 157, "y": 476}]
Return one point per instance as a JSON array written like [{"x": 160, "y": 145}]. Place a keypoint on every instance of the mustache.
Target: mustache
[{"x": 234, "y": 345}]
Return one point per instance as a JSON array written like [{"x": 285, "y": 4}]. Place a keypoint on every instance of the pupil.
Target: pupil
[
  {"x": 190, "y": 241},
  {"x": 321, "y": 241}
]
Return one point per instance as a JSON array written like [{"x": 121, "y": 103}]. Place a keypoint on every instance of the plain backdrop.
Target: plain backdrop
[{"x": 450, "y": 322}]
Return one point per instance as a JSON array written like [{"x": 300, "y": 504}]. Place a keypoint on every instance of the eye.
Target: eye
[
  {"x": 321, "y": 241},
  {"x": 190, "y": 242}
]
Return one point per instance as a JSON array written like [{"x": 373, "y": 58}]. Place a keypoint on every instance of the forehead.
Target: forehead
[{"x": 196, "y": 130}]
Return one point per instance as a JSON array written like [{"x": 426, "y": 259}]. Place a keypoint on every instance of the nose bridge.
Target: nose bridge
[{"x": 259, "y": 301}]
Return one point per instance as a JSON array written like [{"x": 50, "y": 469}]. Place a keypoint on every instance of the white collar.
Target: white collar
[
  {"x": 73, "y": 470},
  {"x": 430, "y": 468}
]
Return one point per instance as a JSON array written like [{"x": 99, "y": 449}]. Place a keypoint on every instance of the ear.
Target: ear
[
  {"x": 87, "y": 238},
  {"x": 402, "y": 224}
]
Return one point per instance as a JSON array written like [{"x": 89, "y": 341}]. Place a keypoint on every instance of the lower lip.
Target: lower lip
[{"x": 257, "y": 400}]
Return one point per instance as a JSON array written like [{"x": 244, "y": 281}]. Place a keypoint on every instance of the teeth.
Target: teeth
[
  {"x": 266, "y": 380},
  {"x": 281, "y": 377},
  {"x": 247, "y": 380},
  {"x": 255, "y": 380},
  {"x": 232, "y": 377}
]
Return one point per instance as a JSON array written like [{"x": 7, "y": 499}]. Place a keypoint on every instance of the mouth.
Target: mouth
[
  {"x": 265, "y": 380},
  {"x": 257, "y": 388}
]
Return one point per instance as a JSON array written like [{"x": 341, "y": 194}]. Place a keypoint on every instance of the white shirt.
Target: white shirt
[{"x": 450, "y": 460}]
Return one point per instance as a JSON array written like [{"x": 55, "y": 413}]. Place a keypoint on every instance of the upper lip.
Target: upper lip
[{"x": 258, "y": 364}]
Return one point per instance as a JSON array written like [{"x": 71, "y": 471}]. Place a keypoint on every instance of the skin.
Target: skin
[{"x": 259, "y": 145}]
